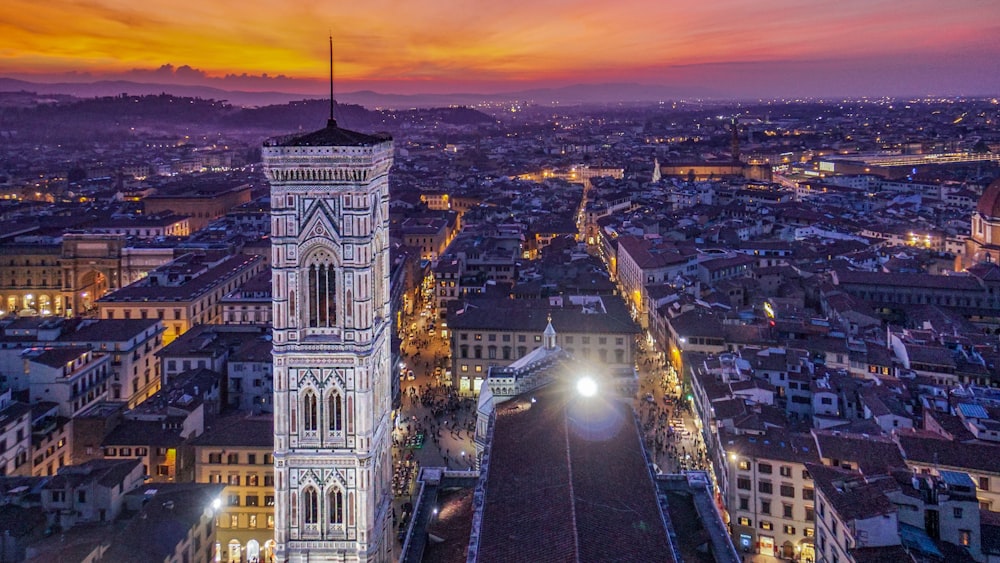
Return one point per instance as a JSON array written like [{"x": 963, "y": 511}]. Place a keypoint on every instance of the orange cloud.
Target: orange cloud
[{"x": 458, "y": 40}]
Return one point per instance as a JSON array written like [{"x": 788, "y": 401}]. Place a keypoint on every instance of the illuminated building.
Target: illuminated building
[
  {"x": 580, "y": 174},
  {"x": 183, "y": 293},
  {"x": 753, "y": 169},
  {"x": 769, "y": 494},
  {"x": 498, "y": 333},
  {"x": 984, "y": 243},
  {"x": 331, "y": 337},
  {"x": 237, "y": 452},
  {"x": 642, "y": 262}
]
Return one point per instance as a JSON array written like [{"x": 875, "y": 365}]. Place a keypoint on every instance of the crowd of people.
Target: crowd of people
[
  {"x": 402, "y": 475},
  {"x": 669, "y": 441},
  {"x": 442, "y": 414}
]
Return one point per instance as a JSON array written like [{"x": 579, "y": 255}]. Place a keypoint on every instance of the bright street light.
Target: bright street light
[{"x": 586, "y": 386}]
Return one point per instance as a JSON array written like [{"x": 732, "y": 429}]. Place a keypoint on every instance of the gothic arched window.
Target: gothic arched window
[
  {"x": 322, "y": 295},
  {"x": 319, "y": 289},
  {"x": 349, "y": 302},
  {"x": 335, "y": 504},
  {"x": 310, "y": 418},
  {"x": 335, "y": 407},
  {"x": 310, "y": 506},
  {"x": 379, "y": 275}
]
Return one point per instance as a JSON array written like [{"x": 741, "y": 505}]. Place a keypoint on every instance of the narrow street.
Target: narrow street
[
  {"x": 667, "y": 419},
  {"x": 435, "y": 427}
]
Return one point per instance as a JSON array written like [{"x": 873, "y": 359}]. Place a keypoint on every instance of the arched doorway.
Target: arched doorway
[
  {"x": 269, "y": 546},
  {"x": 253, "y": 551},
  {"x": 235, "y": 550},
  {"x": 29, "y": 305},
  {"x": 45, "y": 305},
  {"x": 93, "y": 285},
  {"x": 787, "y": 550}
]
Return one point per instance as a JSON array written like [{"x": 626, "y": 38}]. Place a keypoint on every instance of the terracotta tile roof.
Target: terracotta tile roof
[
  {"x": 956, "y": 282},
  {"x": 894, "y": 553},
  {"x": 528, "y": 512},
  {"x": 331, "y": 136},
  {"x": 59, "y": 357},
  {"x": 850, "y": 495},
  {"x": 452, "y": 525},
  {"x": 948, "y": 425},
  {"x": 568, "y": 481},
  {"x": 775, "y": 444},
  {"x": 610, "y": 317},
  {"x": 871, "y": 454},
  {"x": 238, "y": 430},
  {"x": 932, "y": 450}
]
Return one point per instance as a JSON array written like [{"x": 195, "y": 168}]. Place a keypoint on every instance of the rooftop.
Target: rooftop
[
  {"x": 331, "y": 136},
  {"x": 170, "y": 512},
  {"x": 569, "y": 481},
  {"x": 239, "y": 430}
]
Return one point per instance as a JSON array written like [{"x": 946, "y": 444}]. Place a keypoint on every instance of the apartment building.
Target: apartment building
[
  {"x": 183, "y": 293},
  {"x": 769, "y": 492},
  {"x": 237, "y": 452},
  {"x": 499, "y": 332}
]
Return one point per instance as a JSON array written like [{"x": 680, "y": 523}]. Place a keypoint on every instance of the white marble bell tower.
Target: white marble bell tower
[{"x": 332, "y": 394}]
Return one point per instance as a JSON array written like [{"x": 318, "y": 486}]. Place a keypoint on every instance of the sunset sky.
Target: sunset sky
[{"x": 720, "y": 47}]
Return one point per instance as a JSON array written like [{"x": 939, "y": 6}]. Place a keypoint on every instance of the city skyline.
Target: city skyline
[{"x": 728, "y": 49}]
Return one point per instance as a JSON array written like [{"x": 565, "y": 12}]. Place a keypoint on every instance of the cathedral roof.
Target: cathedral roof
[
  {"x": 989, "y": 203},
  {"x": 568, "y": 481},
  {"x": 333, "y": 136}
]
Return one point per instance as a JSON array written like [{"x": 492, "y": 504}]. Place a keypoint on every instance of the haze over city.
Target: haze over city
[{"x": 728, "y": 49}]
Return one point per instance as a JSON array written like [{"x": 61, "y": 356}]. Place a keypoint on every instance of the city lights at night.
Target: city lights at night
[{"x": 457, "y": 282}]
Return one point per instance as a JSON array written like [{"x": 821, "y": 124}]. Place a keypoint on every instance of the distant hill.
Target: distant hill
[
  {"x": 41, "y": 118},
  {"x": 116, "y": 87},
  {"x": 575, "y": 94}
]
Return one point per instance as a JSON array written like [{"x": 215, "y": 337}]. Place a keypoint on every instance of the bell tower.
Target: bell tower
[{"x": 331, "y": 337}]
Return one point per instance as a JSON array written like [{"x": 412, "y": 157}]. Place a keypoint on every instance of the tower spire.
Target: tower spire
[{"x": 332, "y": 122}]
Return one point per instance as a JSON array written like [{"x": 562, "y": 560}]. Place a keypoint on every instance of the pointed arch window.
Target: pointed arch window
[
  {"x": 322, "y": 295},
  {"x": 336, "y": 411},
  {"x": 310, "y": 418},
  {"x": 310, "y": 506},
  {"x": 380, "y": 274},
  {"x": 349, "y": 301},
  {"x": 335, "y": 503}
]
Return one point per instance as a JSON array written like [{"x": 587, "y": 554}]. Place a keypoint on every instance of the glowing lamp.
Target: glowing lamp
[{"x": 586, "y": 386}]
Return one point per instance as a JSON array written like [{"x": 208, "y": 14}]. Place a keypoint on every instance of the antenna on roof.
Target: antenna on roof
[{"x": 332, "y": 122}]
